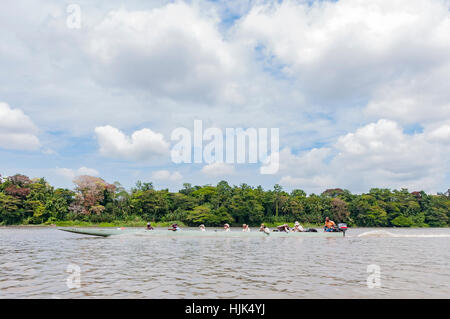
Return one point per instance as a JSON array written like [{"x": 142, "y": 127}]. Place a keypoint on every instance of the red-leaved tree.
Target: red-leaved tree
[{"x": 90, "y": 194}]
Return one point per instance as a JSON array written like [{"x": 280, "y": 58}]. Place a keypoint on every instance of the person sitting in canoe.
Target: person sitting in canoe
[
  {"x": 149, "y": 226},
  {"x": 202, "y": 227},
  {"x": 298, "y": 227},
  {"x": 175, "y": 227},
  {"x": 284, "y": 228},
  {"x": 329, "y": 225},
  {"x": 226, "y": 227},
  {"x": 264, "y": 229},
  {"x": 245, "y": 228}
]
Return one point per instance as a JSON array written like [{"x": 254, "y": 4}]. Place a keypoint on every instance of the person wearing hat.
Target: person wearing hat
[
  {"x": 264, "y": 229},
  {"x": 202, "y": 227},
  {"x": 149, "y": 226},
  {"x": 226, "y": 227},
  {"x": 298, "y": 227},
  {"x": 245, "y": 228}
]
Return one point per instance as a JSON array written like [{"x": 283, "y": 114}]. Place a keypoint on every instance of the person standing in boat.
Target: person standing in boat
[
  {"x": 202, "y": 227},
  {"x": 329, "y": 225},
  {"x": 149, "y": 226},
  {"x": 226, "y": 227},
  {"x": 245, "y": 228}
]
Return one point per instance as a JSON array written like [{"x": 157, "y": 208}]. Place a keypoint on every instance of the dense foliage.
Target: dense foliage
[{"x": 26, "y": 201}]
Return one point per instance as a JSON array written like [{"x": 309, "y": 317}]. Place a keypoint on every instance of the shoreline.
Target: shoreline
[
  {"x": 143, "y": 224},
  {"x": 167, "y": 224}
]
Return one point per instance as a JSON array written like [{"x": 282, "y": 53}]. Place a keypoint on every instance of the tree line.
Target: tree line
[{"x": 35, "y": 201}]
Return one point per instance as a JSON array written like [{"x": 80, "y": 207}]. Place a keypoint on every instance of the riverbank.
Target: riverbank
[
  {"x": 98, "y": 203},
  {"x": 119, "y": 223}
]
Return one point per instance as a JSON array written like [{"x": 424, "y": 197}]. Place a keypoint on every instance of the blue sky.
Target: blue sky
[{"x": 359, "y": 93}]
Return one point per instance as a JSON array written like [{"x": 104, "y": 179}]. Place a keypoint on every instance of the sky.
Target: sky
[{"x": 359, "y": 90}]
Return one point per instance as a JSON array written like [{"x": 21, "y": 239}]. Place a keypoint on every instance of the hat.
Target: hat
[
  {"x": 226, "y": 225},
  {"x": 297, "y": 223}
]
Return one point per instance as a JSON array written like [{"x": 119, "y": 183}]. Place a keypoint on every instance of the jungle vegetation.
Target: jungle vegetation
[{"x": 35, "y": 201}]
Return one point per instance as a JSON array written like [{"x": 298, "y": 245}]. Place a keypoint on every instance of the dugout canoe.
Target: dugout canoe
[{"x": 194, "y": 233}]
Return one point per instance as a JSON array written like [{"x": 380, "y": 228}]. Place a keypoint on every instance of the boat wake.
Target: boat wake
[
  {"x": 377, "y": 233},
  {"x": 384, "y": 233}
]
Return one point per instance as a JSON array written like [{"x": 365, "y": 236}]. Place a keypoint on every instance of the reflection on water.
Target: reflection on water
[{"x": 414, "y": 263}]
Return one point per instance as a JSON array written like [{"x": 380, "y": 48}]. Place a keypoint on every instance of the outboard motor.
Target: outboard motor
[{"x": 342, "y": 227}]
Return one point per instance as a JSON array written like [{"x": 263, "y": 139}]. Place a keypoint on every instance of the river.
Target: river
[{"x": 43, "y": 262}]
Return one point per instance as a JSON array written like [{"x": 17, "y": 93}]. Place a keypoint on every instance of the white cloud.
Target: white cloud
[
  {"x": 307, "y": 171},
  {"x": 218, "y": 169},
  {"x": 143, "y": 145},
  {"x": 69, "y": 174},
  {"x": 346, "y": 49},
  {"x": 17, "y": 131},
  {"x": 164, "y": 175},
  {"x": 314, "y": 184},
  {"x": 308, "y": 164},
  {"x": 87, "y": 171},
  {"x": 440, "y": 134},
  {"x": 173, "y": 51},
  {"x": 383, "y": 145},
  {"x": 49, "y": 151},
  {"x": 315, "y": 69},
  {"x": 376, "y": 155},
  {"x": 420, "y": 98}
]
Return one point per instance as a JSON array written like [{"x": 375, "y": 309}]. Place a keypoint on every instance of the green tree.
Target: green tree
[
  {"x": 402, "y": 221},
  {"x": 204, "y": 215},
  {"x": 9, "y": 210}
]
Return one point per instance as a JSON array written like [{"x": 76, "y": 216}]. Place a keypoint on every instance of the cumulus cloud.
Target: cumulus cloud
[
  {"x": 17, "y": 131},
  {"x": 141, "y": 146},
  {"x": 376, "y": 155},
  {"x": 422, "y": 98},
  {"x": 70, "y": 174},
  {"x": 174, "y": 51},
  {"x": 218, "y": 169},
  {"x": 324, "y": 72},
  {"x": 384, "y": 146},
  {"x": 345, "y": 49},
  {"x": 439, "y": 134},
  {"x": 164, "y": 175},
  {"x": 306, "y": 170}
]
